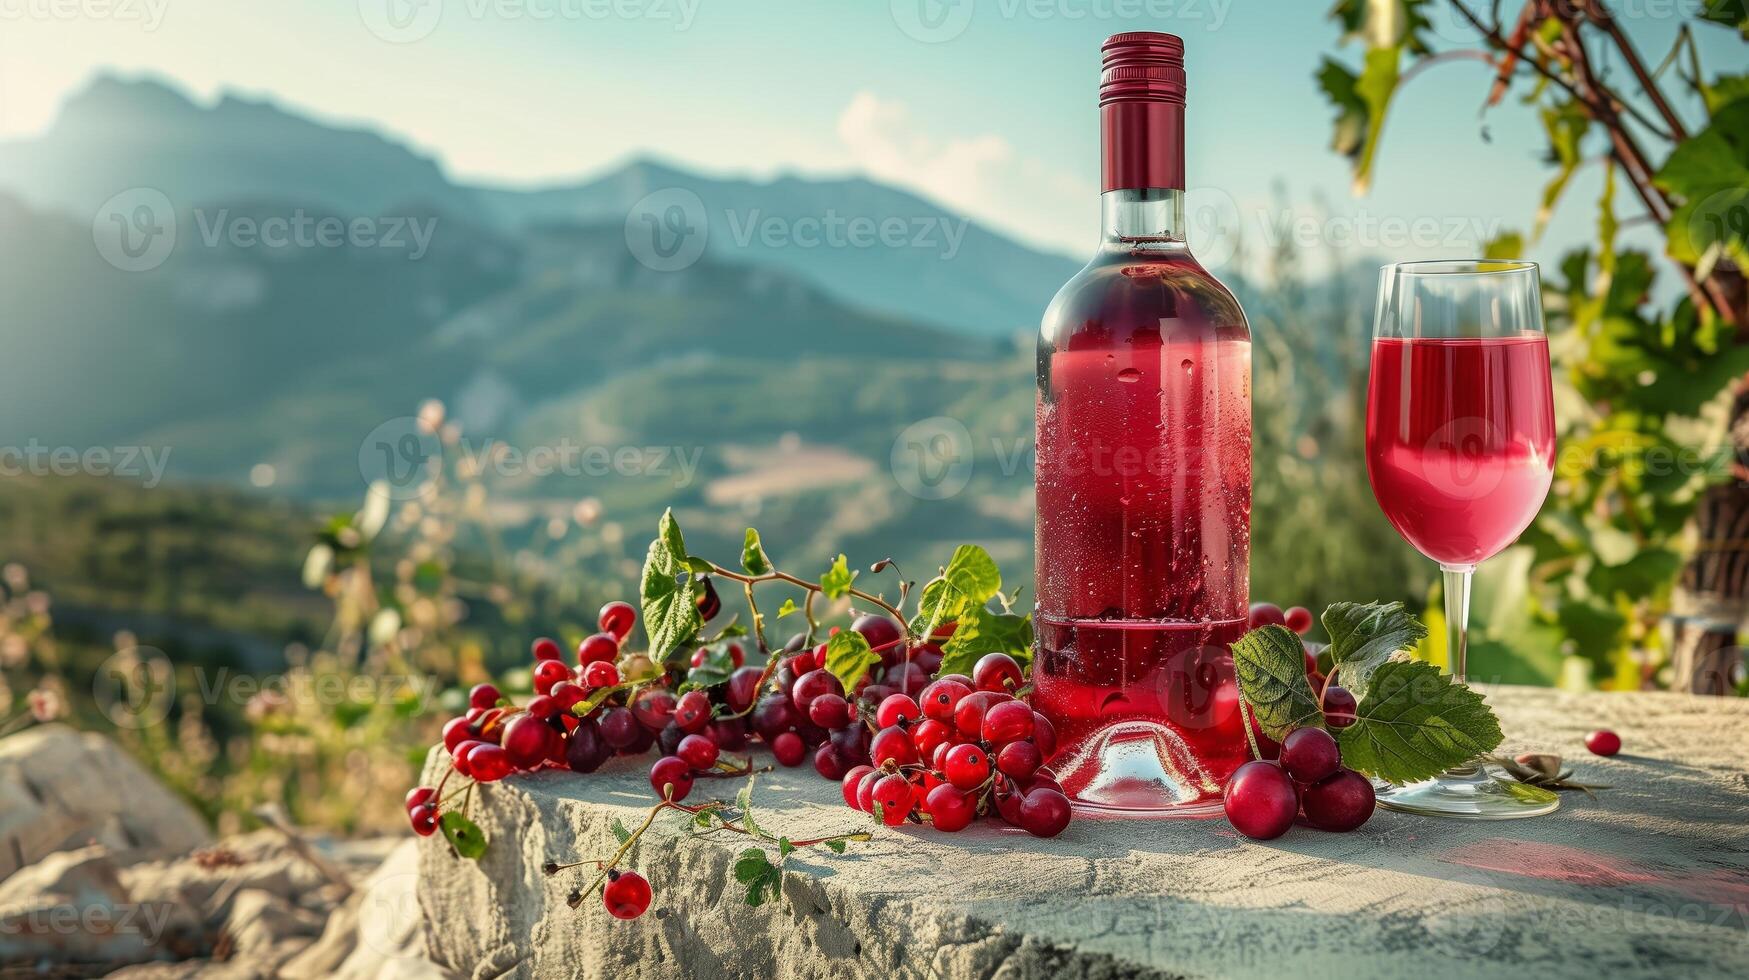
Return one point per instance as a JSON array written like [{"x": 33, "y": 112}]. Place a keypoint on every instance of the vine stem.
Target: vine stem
[{"x": 811, "y": 587}]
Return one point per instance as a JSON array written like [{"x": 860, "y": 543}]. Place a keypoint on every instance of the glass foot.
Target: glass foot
[
  {"x": 1138, "y": 769},
  {"x": 1469, "y": 794}
]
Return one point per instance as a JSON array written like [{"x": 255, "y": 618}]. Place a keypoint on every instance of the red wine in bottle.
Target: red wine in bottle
[{"x": 1143, "y": 478}]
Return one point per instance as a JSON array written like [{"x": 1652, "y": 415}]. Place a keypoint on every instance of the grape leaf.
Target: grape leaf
[
  {"x": 970, "y": 579},
  {"x": 1365, "y": 635},
  {"x": 848, "y": 657},
  {"x": 1728, "y": 13},
  {"x": 753, "y": 557},
  {"x": 1271, "y": 666},
  {"x": 836, "y": 583},
  {"x": 620, "y": 833},
  {"x": 715, "y": 669},
  {"x": 761, "y": 877},
  {"x": 1415, "y": 723},
  {"x": 669, "y": 593},
  {"x": 1710, "y": 172},
  {"x": 981, "y": 631},
  {"x": 463, "y": 835}
]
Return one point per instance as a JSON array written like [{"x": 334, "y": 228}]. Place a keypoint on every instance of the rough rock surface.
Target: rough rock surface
[
  {"x": 1649, "y": 879},
  {"x": 62, "y": 789}
]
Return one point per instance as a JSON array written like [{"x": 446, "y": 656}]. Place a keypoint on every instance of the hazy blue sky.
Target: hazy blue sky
[{"x": 986, "y": 105}]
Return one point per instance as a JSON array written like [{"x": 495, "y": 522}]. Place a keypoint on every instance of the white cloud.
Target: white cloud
[{"x": 982, "y": 176}]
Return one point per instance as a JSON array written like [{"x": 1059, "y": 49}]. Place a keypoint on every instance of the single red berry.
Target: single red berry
[
  {"x": 654, "y": 708},
  {"x": 597, "y": 648},
  {"x": 895, "y": 797},
  {"x": 893, "y": 745},
  {"x": 1266, "y": 614},
  {"x": 929, "y": 733},
  {"x": 1019, "y": 759},
  {"x": 567, "y": 695},
  {"x": 671, "y": 778},
  {"x": 547, "y": 648},
  {"x": 829, "y": 762},
  {"x": 528, "y": 741},
  {"x": 1339, "y": 706},
  {"x": 906, "y": 678},
  {"x": 616, "y": 620},
  {"x": 996, "y": 672},
  {"x": 490, "y": 763},
  {"x": 865, "y": 791},
  {"x": 483, "y": 696},
  {"x": 1339, "y": 803},
  {"x": 816, "y": 658},
  {"x": 743, "y": 688},
  {"x": 1044, "y": 812},
  {"x": 950, "y": 809},
  {"x": 830, "y": 711},
  {"x": 1603, "y": 742},
  {"x": 1044, "y": 735},
  {"x": 455, "y": 732},
  {"x": 967, "y": 766},
  {"x": 1298, "y": 619},
  {"x": 601, "y": 673},
  {"x": 852, "y": 781},
  {"x": 882, "y": 634},
  {"x": 585, "y": 750},
  {"x": 548, "y": 673},
  {"x": 968, "y": 716},
  {"x": 544, "y": 706},
  {"x": 895, "y": 709},
  {"x": 626, "y": 894},
  {"x": 1310, "y": 755},
  {"x": 459, "y": 757},
  {"x": 941, "y": 697},
  {"x": 698, "y": 752},
  {"x": 424, "y": 819},
  {"x": 1260, "y": 801},
  {"x": 789, "y": 749},
  {"x": 811, "y": 685},
  {"x": 693, "y": 711},
  {"x": 1008, "y": 721},
  {"x": 619, "y": 728},
  {"x": 419, "y": 796}
]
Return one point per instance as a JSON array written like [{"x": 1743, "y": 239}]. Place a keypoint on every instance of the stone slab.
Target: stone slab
[{"x": 1649, "y": 879}]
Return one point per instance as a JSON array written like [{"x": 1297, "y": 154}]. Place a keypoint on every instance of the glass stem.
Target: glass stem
[{"x": 1457, "y": 618}]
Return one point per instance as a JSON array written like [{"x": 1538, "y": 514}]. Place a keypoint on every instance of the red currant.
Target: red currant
[
  {"x": 813, "y": 684},
  {"x": 895, "y": 709},
  {"x": 1044, "y": 735},
  {"x": 1310, "y": 754},
  {"x": 455, "y": 732},
  {"x": 653, "y": 708},
  {"x": 547, "y": 648},
  {"x": 616, "y": 619},
  {"x": 597, "y": 648},
  {"x": 693, "y": 711},
  {"x": 949, "y": 809},
  {"x": 895, "y": 797},
  {"x": 967, "y": 766},
  {"x": 1260, "y": 801},
  {"x": 1298, "y": 619},
  {"x": 830, "y": 711},
  {"x": 419, "y": 796},
  {"x": 671, "y": 775},
  {"x": 968, "y": 716},
  {"x": 698, "y": 752},
  {"x": 928, "y": 734},
  {"x": 1339, "y": 706},
  {"x": 601, "y": 673},
  {"x": 941, "y": 697},
  {"x": 424, "y": 819},
  {"x": 1019, "y": 759},
  {"x": 626, "y": 894},
  {"x": 548, "y": 673},
  {"x": 567, "y": 695},
  {"x": 528, "y": 741},
  {"x": 865, "y": 791},
  {"x": 483, "y": 696},
  {"x": 996, "y": 672},
  {"x": 544, "y": 706},
  {"x": 1339, "y": 803},
  {"x": 852, "y": 782},
  {"x": 1044, "y": 812},
  {"x": 893, "y": 745},
  {"x": 1603, "y": 742},
  {"x": 789, "y": 749},
  {"x": 489, "y": 763},
  {"x": 1008, "y": 721},
  {"x": 1266, "y": 614},
  {"x": 618, "y": 727}
]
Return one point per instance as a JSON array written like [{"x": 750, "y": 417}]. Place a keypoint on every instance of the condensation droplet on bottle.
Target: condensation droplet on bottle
[
  {"x": 1129, "y": 375},
  {"x": 1186, "y": 365}
]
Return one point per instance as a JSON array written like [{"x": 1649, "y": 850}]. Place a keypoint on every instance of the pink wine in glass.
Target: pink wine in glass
[
  {"x": 1144, "y": 478},
  {"x": 1460, "y": 440}
]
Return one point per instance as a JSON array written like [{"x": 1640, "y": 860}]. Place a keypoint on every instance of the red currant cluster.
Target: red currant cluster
[
  {"x": 962, "y": 748},
  {"x": 1302, "y": 776}
]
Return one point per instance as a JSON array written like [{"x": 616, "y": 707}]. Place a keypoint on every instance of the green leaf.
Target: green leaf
[
  {"x": 1566, "y": 125},
  {"x": 788, "y": 607},
  {"x": 620, "y": 833},
  {"x": 751, "y": 866},
  {"x": 1710, "y": 172},
  {"x": 1415, "y": 723},
  {"x": 849, "y": 657},
  {"x": 1376, "y": 85},
  {"x": 784, "y": 847},
  {"x": 669, "y": 594},
  {"x": 1271, "y": 666},
  {"x": 717, "y": 666},
  {"x": 1349, "y": 130},
  {"x": 1526, "y": 792},
  {"x": 981, "y": 631},
  {"x": 1728, "y": 13},
  {"x": 1364, "y": 636},
  {"x": 836, "y": 583},
  {"x": 753, "y": 555},
  {"x": 1506, "y": 245},
  {"x": 837, "y": 846},
  {"x": 462, "y": 835},
  {"x": 744, "y": 803},
  {"x": 969, "y": 580}
]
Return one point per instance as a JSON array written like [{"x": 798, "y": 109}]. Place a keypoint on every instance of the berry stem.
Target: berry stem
[
  {"x": 1245, "y": 722},
  {"x": 811, "y": 587}
]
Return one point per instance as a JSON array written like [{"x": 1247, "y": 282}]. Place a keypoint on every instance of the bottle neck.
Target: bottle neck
[{"x": 1143, "y": 217}]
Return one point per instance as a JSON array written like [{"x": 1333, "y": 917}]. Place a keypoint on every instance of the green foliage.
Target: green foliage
[
  {"x": 1415, "y": 723},
  {"x": 670, "y": 596},
  {"x": 981, "y": 631},
  {"x": 1365, "y": 635},
  {"x": 1270, "y": 663},
  {"x": 463, "y": 835},
  {"x": 848, "y": 657}
]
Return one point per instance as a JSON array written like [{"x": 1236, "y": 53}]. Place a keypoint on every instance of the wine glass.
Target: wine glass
[{"x": 1460, "y": 449}]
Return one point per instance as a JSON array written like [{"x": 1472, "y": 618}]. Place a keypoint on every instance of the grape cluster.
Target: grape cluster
[{"x": 1302, "y": 776}]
